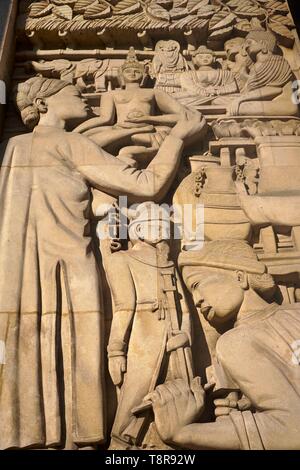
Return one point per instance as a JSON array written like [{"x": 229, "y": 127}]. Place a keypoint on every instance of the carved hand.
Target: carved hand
[
  {"x": 117, "y": 366},
  {"x": 176, "y": 405},
  {"x": 144, "y": 118},
  {"x": 187, "y": 128},
  {"x": 225, "y": 405},
  {"x": 234, "y": 107},
  {"x": 210, "y": 90}
]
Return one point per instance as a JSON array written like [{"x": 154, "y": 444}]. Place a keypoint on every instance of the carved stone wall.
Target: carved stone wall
[
  {"x": 197, "y": 103},
  {"x": 7, "y": 39}
]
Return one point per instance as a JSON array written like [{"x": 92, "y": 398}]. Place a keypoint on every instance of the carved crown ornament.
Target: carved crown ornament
[{"x": 211, "y": 20}]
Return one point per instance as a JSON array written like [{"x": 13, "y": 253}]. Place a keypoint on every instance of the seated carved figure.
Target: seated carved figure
[
  {"x": 167, "y": 66},
  {"x": 200, "y": 85},
  {"x": 134, "y": 108},
  {"x": 268, "y": 89},
  {"x": 256, "y": 359}
]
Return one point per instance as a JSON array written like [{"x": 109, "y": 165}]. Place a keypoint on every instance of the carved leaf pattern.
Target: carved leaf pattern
[
  {"x": 249, "y": 11},
  {"x": 189, "y": 21},
  {"x": 63, "y": 2},
  {"x": 165, "y": 3},
  {"x": 283, "y": 34},
  {"x": 127, "y": 6},
  {"x": 180, "y": 3},
  {"x": 207, "y": 11},
  {"x": 81, "y": 5},
  {"x": 194, "y": 5},
  {"x": 222, "y": 33},
  {"x": 37, "y": 10},
  {"x": 64, "y": 11},
  {"x": 285, "y": 20},
  {"x": 220, "y": 20},
  {"x": 200, "y": 15},
  {"x": 177, "y": 13},
  {"x": 277, "y": 6},
  {"x": 243, "y": 27},
  {"x": 97, "y": 10},
  {"x": 158, "y": 12},
  {"x": 235, "y": 3}
]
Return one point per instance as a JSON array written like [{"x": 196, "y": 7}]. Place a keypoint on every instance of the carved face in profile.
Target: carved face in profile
[
  {"x": 68, "y": 104},
  {"x": 233, "y": 47},
  {"x": 253, "y": 47},
  {"x": 218, "y": 293},
  {"x": 132, "y": 74}
]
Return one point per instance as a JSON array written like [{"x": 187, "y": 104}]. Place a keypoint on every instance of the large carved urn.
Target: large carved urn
[
  {"x": 212, "y": 186},
  {"x": 223, "y": 215}
]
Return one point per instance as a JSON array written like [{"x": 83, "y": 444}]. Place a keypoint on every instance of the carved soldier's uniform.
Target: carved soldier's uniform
[{"x": 146, "y": 288}]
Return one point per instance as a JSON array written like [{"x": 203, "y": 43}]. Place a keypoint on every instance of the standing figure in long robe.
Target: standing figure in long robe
[{"x": 52, "y": 390}]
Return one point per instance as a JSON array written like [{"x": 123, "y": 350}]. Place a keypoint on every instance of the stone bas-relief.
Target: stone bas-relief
[
  {"x": 183, "y": 102},
  {"x": 150, "y": 335},
  {"x": 255, "y": 362},
  {"x": 88, "y": 74},
  {"x": 134, "y": 108},
  {"x": 267, "y": 89},
  {"x": 53, "y": 172}
]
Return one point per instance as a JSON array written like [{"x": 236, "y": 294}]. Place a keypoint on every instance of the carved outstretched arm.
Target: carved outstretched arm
[
  {"x": 171, "y": 110},
  {"x": 109, "y": 174},
  {"x": 227, "y": 89},
  {"x": 105, "y": 119},
  {"x": 268, "y": 92},
  {"x": 261, "y": 94}
]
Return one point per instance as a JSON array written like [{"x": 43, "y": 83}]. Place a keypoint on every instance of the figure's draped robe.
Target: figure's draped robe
[{"x": 48, "y": 270}]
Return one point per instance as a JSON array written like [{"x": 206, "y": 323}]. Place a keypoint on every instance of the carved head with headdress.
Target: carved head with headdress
[
  {"x": 168, "y": 58},
  {"x": 132, "y": 71},
  {"x": 34, "y": 97},
  {"x": 260, "y": 41},
  {"x": 203, "y": 57},
  {"x": 233, "y": 46},
  {"x": 220, "y": 273},
  {"x": 149, "y": 222}
]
